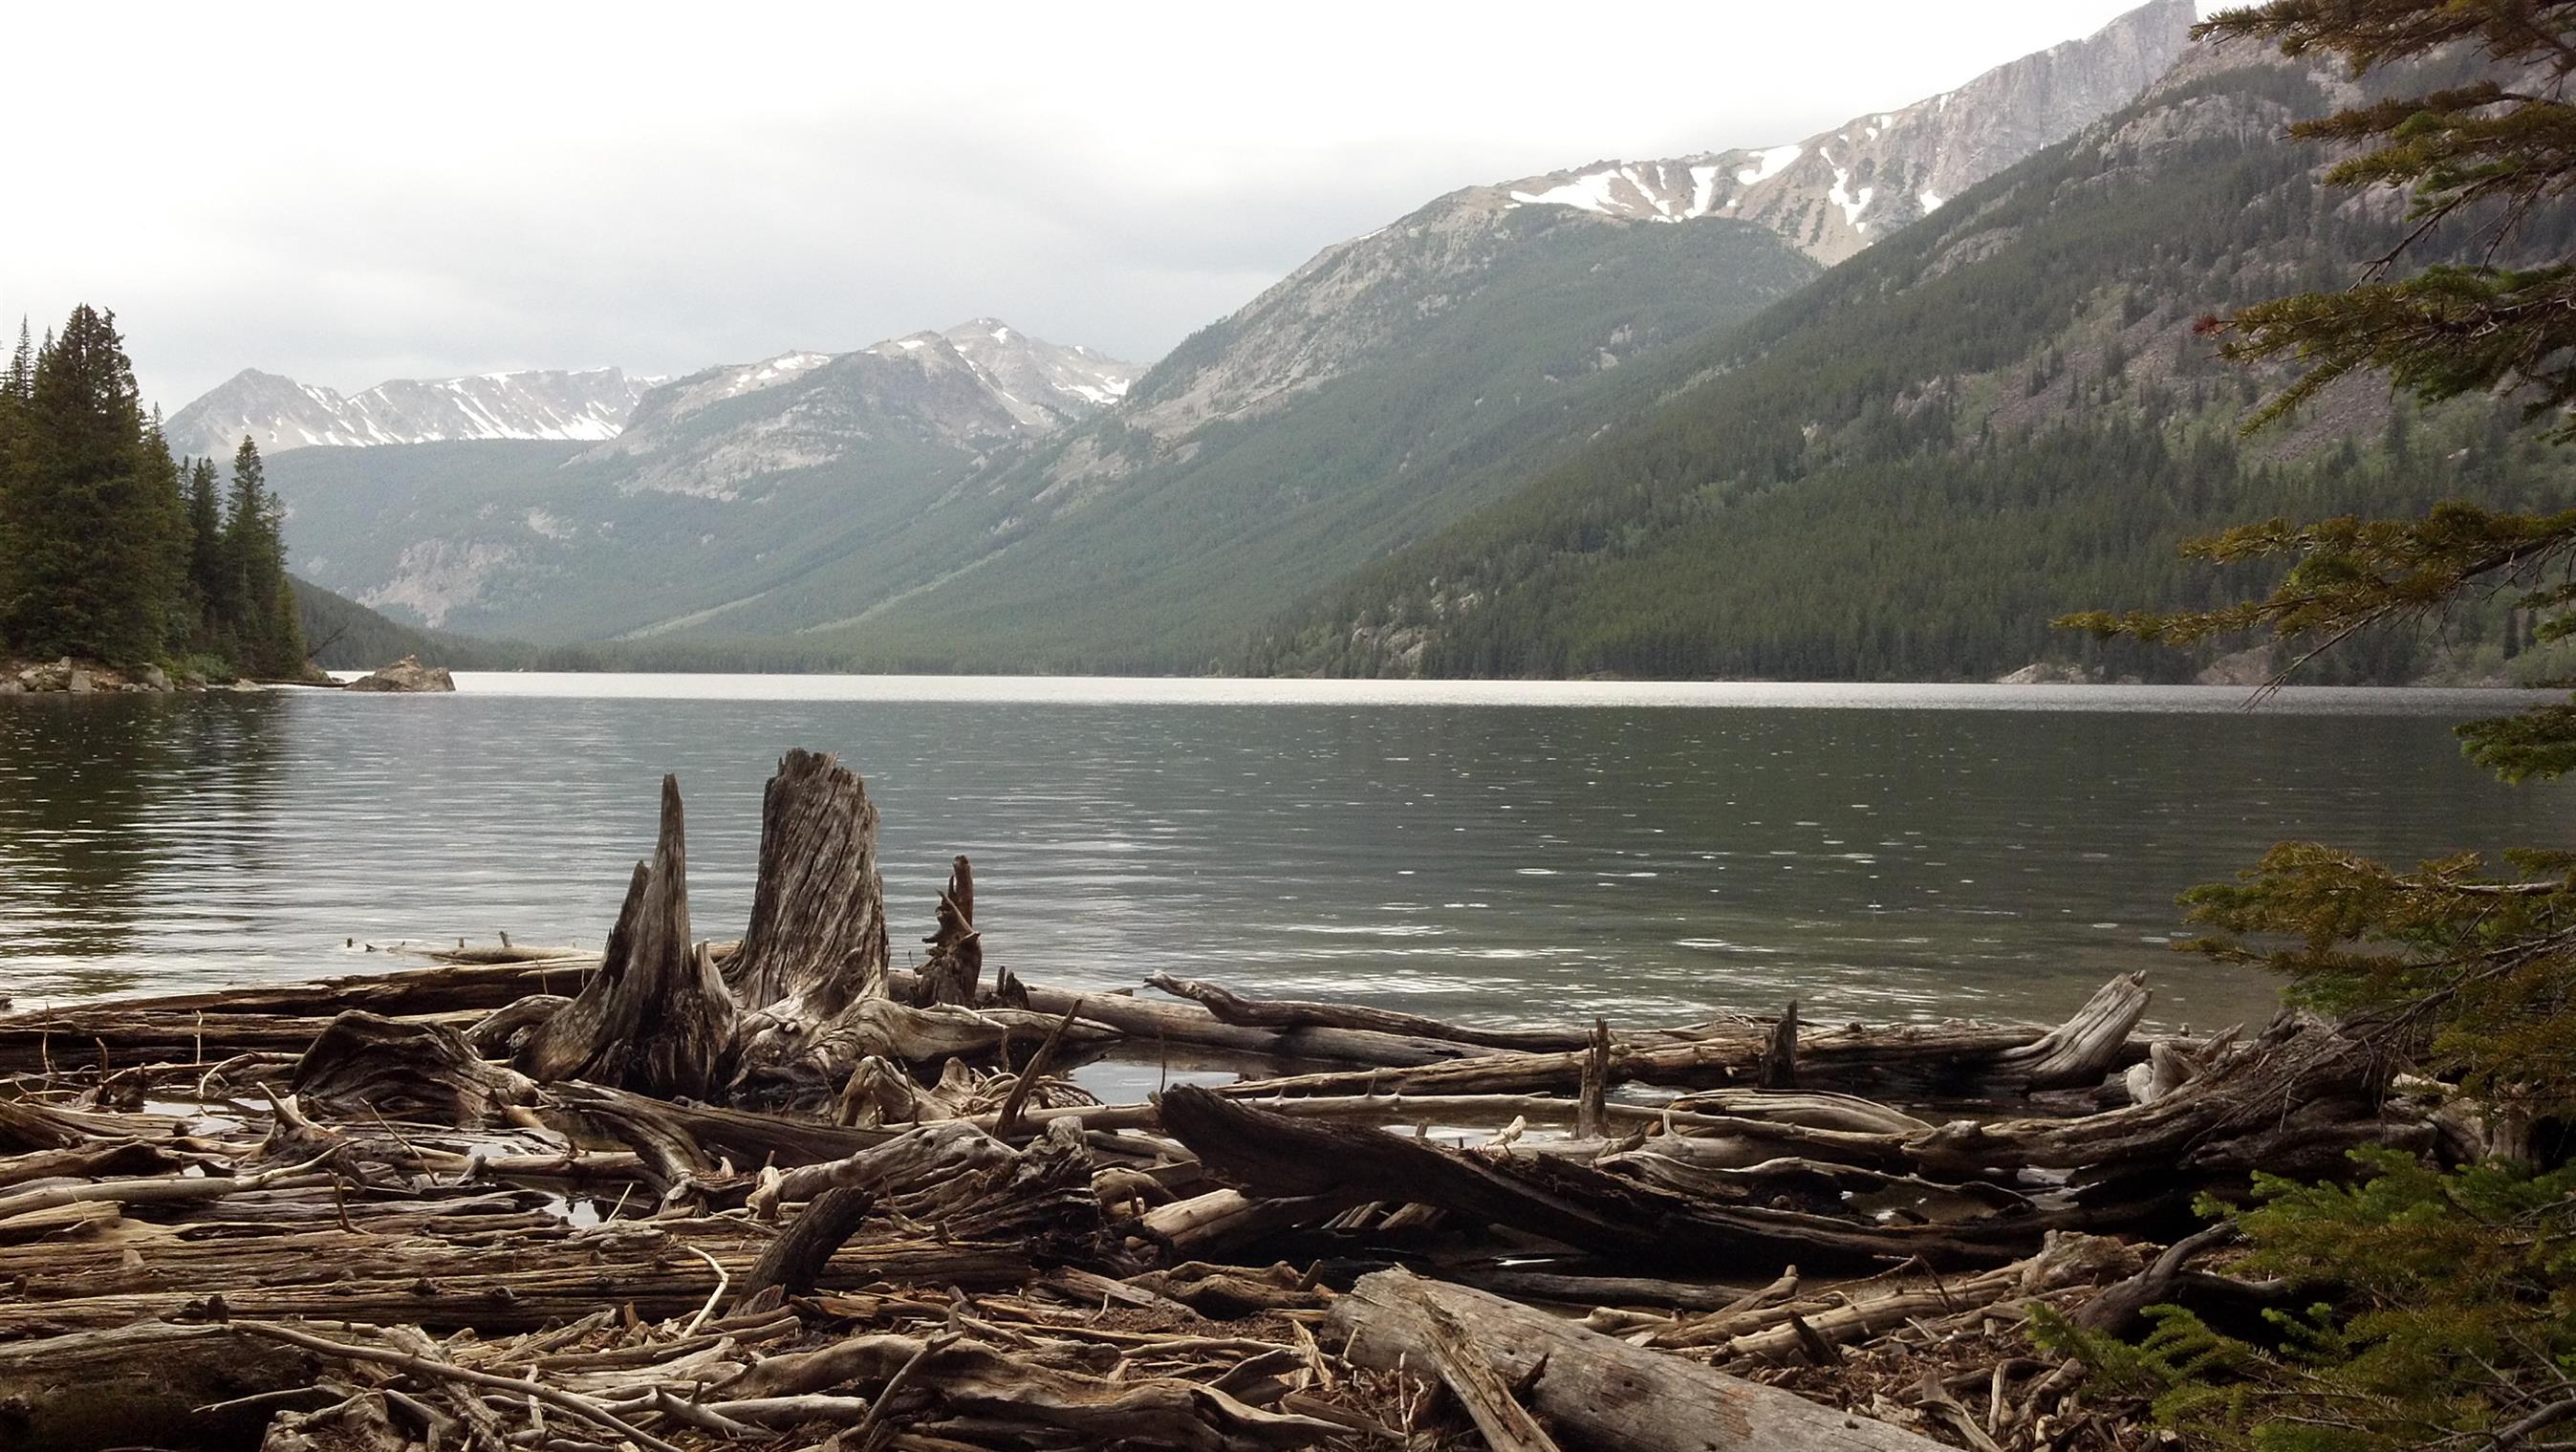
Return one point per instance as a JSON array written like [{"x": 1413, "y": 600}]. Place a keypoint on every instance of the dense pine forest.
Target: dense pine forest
[{"x": 113, "y": 550}]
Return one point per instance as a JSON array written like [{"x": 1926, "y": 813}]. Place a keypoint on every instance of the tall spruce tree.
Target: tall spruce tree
[
  {"x": 17, "y": 398},
  {"x": 206, "y": 573},
  {"x": 268, "y": 640},
  {"x": 2447, "y": 1313},
  {"x": 90, "y": 530}
]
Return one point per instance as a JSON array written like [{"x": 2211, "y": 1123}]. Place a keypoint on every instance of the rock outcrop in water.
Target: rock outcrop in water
[{"x": 406, "y": 674}]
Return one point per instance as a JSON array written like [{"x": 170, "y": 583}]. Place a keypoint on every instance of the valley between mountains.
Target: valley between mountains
[{"x": 1739, "y": 412}]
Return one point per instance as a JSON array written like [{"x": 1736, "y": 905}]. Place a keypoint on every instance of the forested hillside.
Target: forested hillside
[
  {"x": 113, "y": 550},
  {"x": 2000, "y": 415}
]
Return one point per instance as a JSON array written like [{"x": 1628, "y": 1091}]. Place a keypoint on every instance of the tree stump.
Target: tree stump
[
  {"x": 818, "y": 934},
  {"x": 956, "y": 967},
  {"x": 656, "y": 1017}
]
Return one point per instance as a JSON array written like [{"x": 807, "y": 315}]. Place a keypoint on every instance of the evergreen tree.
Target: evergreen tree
[
  {"x": 263, "y": 627},
  {"x": 206, "y": 573},
  {"x": 2448, "y": 1313},
  {"x": 88, "y": 526},
  {"x": 17, "y": 396}
]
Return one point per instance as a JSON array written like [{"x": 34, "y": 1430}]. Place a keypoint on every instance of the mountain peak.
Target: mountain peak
[
  {"x": 280, "y": 414},
  {"x": 1838, "y": 191}
]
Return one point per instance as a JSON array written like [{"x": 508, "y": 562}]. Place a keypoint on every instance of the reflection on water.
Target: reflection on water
[
  {"x": 100, "y": 796},
  {"x": 1494, "y": 853}
]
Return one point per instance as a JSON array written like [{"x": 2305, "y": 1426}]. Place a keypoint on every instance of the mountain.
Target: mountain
[
  {"x": 722, "y": 484},
  {"x": 282, "y": 414},
  {"x": 1353, "y": 406},
  {"x": 1835, "y": 193},
  {"x": 1996, "y": 416}
]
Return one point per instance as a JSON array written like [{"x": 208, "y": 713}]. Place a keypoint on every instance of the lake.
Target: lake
[{"x": 1492, "y": 850}]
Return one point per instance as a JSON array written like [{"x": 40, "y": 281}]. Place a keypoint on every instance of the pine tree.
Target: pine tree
[
  {"x": 2467, "y": 975},
  {"x": 89, "y": 529},
  {"x": 267, "y": 637},
  {"x": 213, "y": 603},
  {"x": 17, "y": 395}
]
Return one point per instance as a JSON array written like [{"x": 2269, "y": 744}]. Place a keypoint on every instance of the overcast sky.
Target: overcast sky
[{"x": 347, "y": 193}]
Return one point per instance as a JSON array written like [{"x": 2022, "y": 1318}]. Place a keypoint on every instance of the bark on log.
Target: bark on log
[
  {"x": 148, "y": 1385},
  {"x": 1599, "y": 1391},
  {"x": 656, "y": 1018},
  {"x": 416, "y": 1071},
  {"x": 818, "y": 931}
]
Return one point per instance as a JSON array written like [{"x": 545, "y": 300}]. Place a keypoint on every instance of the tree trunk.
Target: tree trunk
[{"x": 955, "y": 969}]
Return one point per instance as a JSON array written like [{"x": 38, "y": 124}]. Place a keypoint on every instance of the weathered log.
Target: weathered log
[
  {"x": 1163, "y": 1023},
  {"x": 2081, "y": 1050},
  {"x": 365, "y": 1062},
  {"x": 1021, "y": 1394},
  {"x": 800, "y": 1252},
  {"x": 1272, "y": 1155},
  {"x": 1598, "y": 1390},
  {"x": 818, "y": 931},
  {"x": 146, "y": 1385},
  {"x": 1285, "y": 1014},
  {"x": 656, "y": 1018},
  {"x": 499, "y": 1034},
  {"x": 2203, "y": 1125}
]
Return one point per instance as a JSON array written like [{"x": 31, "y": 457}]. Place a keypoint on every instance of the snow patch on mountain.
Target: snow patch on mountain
[{"x": 281, "y": 414}]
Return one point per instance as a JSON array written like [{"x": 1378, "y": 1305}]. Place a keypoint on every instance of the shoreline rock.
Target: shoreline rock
[{"x": 406, "y": 674}]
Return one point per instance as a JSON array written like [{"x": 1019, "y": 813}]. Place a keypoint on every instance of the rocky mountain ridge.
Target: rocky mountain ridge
[
  {"x": 280, "y": 414},
  {"x": 1835, "y": 193}
]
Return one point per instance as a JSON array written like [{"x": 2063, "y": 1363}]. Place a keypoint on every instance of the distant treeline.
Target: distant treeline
[{"x": 112, "y": 549}]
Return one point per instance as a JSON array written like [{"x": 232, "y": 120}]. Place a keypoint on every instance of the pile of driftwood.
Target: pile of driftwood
[{"x": 778, "y": 1192}]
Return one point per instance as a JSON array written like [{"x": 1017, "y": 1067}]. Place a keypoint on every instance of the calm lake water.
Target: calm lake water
[{"x": 1501, "y": 851}]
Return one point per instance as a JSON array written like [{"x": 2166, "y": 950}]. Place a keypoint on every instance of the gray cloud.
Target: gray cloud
[{"x": 445, "y": 208}]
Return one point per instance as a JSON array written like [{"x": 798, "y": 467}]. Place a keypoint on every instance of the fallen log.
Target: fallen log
[
  {"x": 1288, "y": 1014},
  {"x": 146, "y": 1385},
  {"x": 1599, "y": 1390},
  {"x": 1274, "y": 1156}
]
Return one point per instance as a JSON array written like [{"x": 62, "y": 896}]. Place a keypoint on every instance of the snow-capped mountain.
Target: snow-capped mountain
[
  {"x": 281, "y": 414},
  {"x": 1833, "y": 194},
  {"x": 716, "y": 482},
  {"x": 972, "y": 387}
]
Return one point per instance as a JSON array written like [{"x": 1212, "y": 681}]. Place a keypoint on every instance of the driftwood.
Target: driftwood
[
  {"x": 1276, "y": 1156},
  {"x": 954, "y": 972},
  {"x": 364, "y": 1062},
  {"x": 897, "y": 1227},
  {"x": 656, "y": 1017},
  {"x": 1609, "y": 1394},
  {"x": 1289, "y": 1014}
]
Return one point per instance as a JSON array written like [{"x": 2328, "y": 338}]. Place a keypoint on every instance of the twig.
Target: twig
[{"x": 724, "y": 1283}]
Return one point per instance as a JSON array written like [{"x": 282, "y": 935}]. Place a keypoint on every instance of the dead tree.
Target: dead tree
[
  {"x": 655, "y": 1017},
  {"x": 955, "y": 969}
]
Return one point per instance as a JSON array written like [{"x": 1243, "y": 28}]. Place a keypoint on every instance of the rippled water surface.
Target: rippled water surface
[{"x": 1501, "y": 851}]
